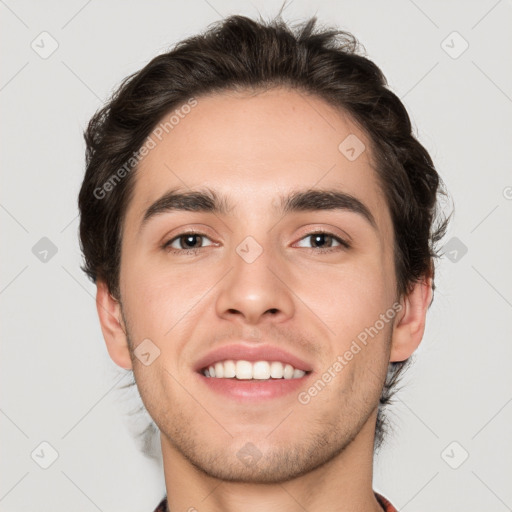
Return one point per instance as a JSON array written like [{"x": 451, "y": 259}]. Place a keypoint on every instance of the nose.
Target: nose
[{"x": 255, "y": 291}]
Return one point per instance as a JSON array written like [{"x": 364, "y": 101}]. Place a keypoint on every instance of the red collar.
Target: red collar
[{"x": 384, "y": 503}]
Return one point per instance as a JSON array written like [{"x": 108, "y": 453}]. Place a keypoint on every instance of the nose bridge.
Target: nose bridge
[{"x": 252, "y": 289}]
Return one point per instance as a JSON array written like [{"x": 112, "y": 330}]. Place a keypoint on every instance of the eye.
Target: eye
[
  {"x": 322, "y": 241},
  {"x": 187, "y": 242}
]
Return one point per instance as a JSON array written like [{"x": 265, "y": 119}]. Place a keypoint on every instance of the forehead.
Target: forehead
[{"x": 254, "y": 147}]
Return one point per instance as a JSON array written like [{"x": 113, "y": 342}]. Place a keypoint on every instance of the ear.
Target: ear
[
  {"x": 112, "y": 326},
  {"x": 410, "y": 323}
]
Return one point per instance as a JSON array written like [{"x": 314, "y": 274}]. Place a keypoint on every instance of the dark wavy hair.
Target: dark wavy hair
[{"x": 239, "y": 54}]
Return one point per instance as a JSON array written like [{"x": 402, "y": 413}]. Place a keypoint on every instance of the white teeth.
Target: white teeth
[
  {"x": 287, "y": 372},
  {"x": 276, "y": 370},
  {"x": 219, "y": 370},
  {"x": 229, "y": 369},
  {"x": 243, "y": 370},
  {"x": 259, "y": 370}
]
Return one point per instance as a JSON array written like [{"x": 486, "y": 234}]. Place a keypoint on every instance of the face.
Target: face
[{"x": 281, "y": 251}]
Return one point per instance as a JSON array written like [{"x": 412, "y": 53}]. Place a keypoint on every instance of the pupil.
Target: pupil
[
  {"x": 319, "y": 240},
  {"x": 190, "y": 239}
]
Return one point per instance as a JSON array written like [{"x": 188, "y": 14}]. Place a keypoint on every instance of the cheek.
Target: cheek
[
  {"x": 157, "y": 388},
  {"x": 346, "y": 299},
  {"x": 158, "y": 296},
  {"x": 147, "y": 297}
]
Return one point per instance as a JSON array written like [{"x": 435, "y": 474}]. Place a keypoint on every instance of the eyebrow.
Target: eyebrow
[{"x": 209, "y": 201}]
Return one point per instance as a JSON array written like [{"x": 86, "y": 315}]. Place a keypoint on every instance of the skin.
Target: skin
[{"x": 252, "y": 148}]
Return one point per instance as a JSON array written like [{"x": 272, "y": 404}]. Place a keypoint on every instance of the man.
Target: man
[{"x": 261, "y": 226}]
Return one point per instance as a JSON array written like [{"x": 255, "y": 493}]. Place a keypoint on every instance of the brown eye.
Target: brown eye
[
  {"x": 322, "y": 241},
  {"x": 188, "y": 241}
]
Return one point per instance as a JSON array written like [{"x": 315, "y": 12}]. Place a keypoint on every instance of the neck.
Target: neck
[{"x": 342, "y": 484}]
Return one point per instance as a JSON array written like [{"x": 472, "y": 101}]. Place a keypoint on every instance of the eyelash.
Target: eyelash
[{"x": 343, "y": 243}]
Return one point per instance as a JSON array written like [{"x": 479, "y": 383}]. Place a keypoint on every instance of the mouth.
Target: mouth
[
  {"x": 253, "y": 384},
  {"x": 246, "y": 372}
]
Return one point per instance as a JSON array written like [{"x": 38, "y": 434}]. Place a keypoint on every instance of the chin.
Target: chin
[{"x": 264, "y": 463}]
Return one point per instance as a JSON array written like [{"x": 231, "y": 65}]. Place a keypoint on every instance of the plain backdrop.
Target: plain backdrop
[{"x": 449, "y": 62}]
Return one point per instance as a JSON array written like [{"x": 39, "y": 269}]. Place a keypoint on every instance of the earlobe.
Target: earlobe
[
  {"x": 112, "y": 326},
  {"x": 410, "y": 323}
]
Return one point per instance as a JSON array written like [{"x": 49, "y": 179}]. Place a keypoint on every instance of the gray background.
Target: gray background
[{"x": 57, "y": 382}]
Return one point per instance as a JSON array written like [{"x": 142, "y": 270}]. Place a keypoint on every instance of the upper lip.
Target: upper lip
[{"x": 245, "y": 352}]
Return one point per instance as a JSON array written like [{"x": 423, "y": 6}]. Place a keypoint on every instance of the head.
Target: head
[{"x": 291, "y": 138}]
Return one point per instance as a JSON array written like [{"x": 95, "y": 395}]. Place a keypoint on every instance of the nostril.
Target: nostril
[{"x": 273, "y": 311}]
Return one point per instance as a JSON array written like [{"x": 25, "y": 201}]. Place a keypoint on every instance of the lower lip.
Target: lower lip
[{"x": 254, "y": 390}]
